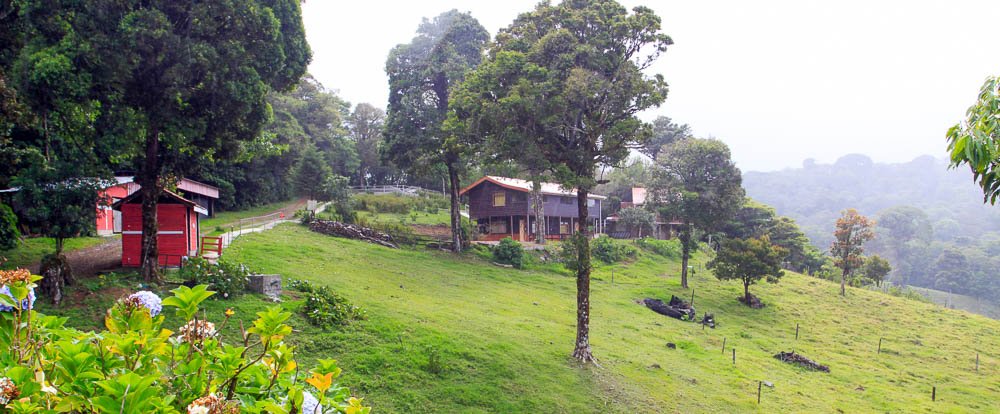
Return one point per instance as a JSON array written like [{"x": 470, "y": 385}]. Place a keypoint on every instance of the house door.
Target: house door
[{"x": 521, "y": 229}]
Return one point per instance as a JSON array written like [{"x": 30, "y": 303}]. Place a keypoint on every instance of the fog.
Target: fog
[{"x": 779, "y": 82}]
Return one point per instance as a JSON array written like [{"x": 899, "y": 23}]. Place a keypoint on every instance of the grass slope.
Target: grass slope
[
  {"x": 504, "y": 335},
  {"x": 224, "y": 219}
]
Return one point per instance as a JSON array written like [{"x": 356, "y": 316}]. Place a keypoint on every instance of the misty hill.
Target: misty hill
[
  {"x": 932, "y": 224},
  {"x": 815, "y": 194}
]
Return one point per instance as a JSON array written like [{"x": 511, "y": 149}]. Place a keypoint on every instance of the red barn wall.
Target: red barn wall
[{"x": 174, "y": 239}]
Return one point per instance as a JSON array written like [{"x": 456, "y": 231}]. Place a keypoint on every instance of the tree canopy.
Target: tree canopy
[
  {"x": 748, "y": 260},
  {"x": 696, "y": 181}
]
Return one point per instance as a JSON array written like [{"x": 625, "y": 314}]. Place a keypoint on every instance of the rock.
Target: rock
[
  {"x": 654, "y": 366},
  {"x": 755, "y": 302},
  {"x": 860, "y": 388},
  {"x": 671, "y": 345},
  {"x": 768, "y": 384},
  {"x": 268, "y": 285},
  {"x": 708, "y": 319}
]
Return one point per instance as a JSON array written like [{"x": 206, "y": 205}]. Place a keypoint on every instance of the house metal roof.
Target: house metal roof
[{"x": 517, "y": 184}]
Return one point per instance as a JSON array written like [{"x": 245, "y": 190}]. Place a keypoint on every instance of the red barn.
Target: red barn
[{"x": 178, "y": 222}]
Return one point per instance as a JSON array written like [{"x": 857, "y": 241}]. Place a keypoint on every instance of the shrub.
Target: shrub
[
  {"x": 9, "y": 235},
  {"x": 509, "y": 252},
  {"x": 228, "y": 279},
  {"x": 609, "y": 250},
  {"x": 666, "y": 248},
  {"x": 324, "y": 308},
  {"x": 385, "y": 203},
  {"x": 149, "y": 369}
]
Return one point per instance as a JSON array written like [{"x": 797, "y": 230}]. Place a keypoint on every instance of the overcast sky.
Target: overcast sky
[{"x": 778, "y": 81}]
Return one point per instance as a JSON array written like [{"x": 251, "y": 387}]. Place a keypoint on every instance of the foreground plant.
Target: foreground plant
[{"x": 138, "y": 366}]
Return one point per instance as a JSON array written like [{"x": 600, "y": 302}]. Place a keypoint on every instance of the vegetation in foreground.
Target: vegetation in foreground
[{"x": 458, "y": 334}]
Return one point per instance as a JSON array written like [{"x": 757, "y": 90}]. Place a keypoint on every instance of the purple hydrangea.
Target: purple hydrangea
[
  {"x": 28, "y": 303},
  {"x": 310, "y": 405},
  {"x": 149, "y": 300}
]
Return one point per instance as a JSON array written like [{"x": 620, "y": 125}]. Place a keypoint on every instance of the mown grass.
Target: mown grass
[
  {"x": 963, "y": 302},
  {"x": 32, "y": 250},
  {"x": 505, "y": 335}
]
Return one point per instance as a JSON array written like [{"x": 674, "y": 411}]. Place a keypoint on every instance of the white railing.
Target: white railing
[{"x": 408, "y": 190}]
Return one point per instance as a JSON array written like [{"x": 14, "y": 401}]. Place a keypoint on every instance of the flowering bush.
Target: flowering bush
[
  {"x": 325, "y": 308},
  {"x": 228, "y": 279},
  {"x": 137, "y": 366},
  {"x": 12, "y": 277}
]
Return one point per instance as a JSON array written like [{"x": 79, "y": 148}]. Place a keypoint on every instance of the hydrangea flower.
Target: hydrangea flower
[
  {"x": 310, "y": 405},
  {"x": 149, "y": 300},
  {"x": 197, "y": 331},
  {"x": 8, "y": 391},
  {"x": 27, "y": 303},
  {"x": 213, "y": 404}
]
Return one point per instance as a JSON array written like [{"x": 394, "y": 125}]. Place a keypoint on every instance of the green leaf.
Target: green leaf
[{"x": 186, "y": 300}]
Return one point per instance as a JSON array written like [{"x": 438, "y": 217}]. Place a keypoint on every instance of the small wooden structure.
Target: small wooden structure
[
  {"x": 178, "y": 228},
  {"x": 109, "y": 220},
  {"x": 501, "y": 207}
]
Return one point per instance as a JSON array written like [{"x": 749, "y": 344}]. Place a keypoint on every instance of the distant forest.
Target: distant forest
[{"x": 933, "y": 226}]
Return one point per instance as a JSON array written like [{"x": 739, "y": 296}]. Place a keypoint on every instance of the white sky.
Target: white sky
[{"x": 779, "y": 81}]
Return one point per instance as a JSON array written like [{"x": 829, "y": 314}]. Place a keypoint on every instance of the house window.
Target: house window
[
  {"x": 565, "y": 200},
  {"x": 591, "y": 202},
  {"x": 499, "y": 199},
  {"x": 498, "y": 227},
  {"x": 563, "y": 227}
]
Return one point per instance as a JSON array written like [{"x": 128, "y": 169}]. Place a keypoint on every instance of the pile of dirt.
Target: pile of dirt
[
  {"x": 755, "y": 302},
  {"x": 799, "y": 359},
  {"x": 351, "y": 231},
  {"x": 677, "y": 308}
]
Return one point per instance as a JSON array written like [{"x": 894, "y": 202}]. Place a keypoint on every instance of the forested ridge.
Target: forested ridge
[{"x": 932, "y": 224}]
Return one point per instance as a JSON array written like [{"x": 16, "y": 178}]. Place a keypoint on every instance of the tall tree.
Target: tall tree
[
  {"x": 665, "y": 132},
  {"x": 176, "y": 81},
  {"x": 422, "y": 75},
  {"x": 366, "y": 124},
  {"x": 697, "y": 183},
  {"x": 572, "y": 77},
  {"x": 852, "y": 231},
  {"x": 749, "y": 261}
]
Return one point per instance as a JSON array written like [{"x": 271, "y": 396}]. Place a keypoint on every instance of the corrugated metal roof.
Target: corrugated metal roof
[{"x": 525, "y": 186}]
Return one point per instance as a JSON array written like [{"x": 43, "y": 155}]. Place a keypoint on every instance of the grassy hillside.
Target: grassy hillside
[
  {"x": 504, "y": 335},
  {"x": 33, "y": 249}
]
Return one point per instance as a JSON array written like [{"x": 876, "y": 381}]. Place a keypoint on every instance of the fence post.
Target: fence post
[
  {"x": 934, "y": 393},
  {"x": 758, "y": 391},
  {"x": 879, "y": 346},
  {"x": 723, "y": 345},
  {"x": 734, "y": 356},
  {"x": 796, "y": 331}
]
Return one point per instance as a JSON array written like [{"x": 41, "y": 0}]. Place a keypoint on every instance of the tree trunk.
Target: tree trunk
[
  {"x": 67, "y": 274},
  {"x": 582, "y": 238},
  {"x": 843, "y": 281},
  {"x": 746, "y": 292},
  {"x": 149, "y": 180},
  {"x": 539, "y": 210},
  {"x": 685, "y": 237},
  {"x": 456, "y": 216}
]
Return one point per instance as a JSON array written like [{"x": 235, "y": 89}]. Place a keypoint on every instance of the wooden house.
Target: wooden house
[
  {"x": 177, "y": 236},
  {"x": 501, "y": 207}
]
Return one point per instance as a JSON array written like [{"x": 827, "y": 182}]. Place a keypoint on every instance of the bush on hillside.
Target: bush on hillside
[
  {"x": 227, "y": 279},
  {"x": 9, "y": 234},
  {"x": 399, "y": 204},
  {"x": 150, "y": 369},
  {"x": 324, "y": 308},
  {"x": 609, "y": 250},
  {"x": 666, "y": 248},
  {"x": 509, "y": 252}
]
